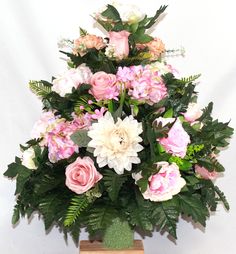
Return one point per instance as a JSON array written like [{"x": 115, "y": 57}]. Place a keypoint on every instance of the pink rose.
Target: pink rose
[
  {"x": 104, "y": 86},
  {"x": 205, "y": 174},
  {"x": 119, "y": 40},
  {"x": 193, "y": 112},
  {"x": 81, "y": 175},
  {"x": 177, "y": 141},
  {"x": 164, "y": 184}
]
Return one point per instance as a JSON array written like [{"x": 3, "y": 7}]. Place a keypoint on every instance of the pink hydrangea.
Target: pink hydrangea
[
  {"x": 41, "y": 126},
  {"x": 177, "y": 140},
  {"x": 60, "y": 146},
  {"x": 143, "y": 83},
  {"x": 164, "y": 184}
]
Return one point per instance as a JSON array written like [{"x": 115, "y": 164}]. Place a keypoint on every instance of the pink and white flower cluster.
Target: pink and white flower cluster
[{"x": 143, "y": 83}]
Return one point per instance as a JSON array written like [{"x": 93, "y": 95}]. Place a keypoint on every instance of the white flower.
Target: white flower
[
  {"x": 129, "y": 13},
  {"x": 27, "y": 158},
  {"x": 116, "y": 144},
  {"x": 71, "y": 79}
]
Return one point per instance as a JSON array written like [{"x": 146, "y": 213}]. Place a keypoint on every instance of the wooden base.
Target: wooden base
[{"x": 87, "y": 247}]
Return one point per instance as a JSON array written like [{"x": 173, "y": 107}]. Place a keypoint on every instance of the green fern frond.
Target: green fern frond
[
  {"x": 77, "y": 205},
  {"x": 222, "y": 197},
  {"x": 40, "y": 88},
  {"x": 100, "y": 218},
  {"x": 113, "y": 183},
  {"x": 190, "y": 78}
]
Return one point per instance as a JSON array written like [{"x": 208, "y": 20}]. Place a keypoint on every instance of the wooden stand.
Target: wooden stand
[{"x": 87, "y": 247}]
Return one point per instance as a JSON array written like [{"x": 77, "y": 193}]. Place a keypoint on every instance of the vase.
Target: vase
[{"x": 96, "y": 247}]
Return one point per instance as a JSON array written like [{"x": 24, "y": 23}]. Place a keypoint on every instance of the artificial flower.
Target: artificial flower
[
  {"x": 81, "y": 175},
  {"x": 164, "y": 184},
  {"x": 28, "y": 158},
  {"x": 116, "y": 143}
]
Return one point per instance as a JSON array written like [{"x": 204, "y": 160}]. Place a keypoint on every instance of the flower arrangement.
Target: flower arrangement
[{"x": 122, "y": 143}]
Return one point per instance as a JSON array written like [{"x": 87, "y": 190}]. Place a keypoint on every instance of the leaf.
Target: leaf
[
  {"x": 140, "y": 215},
  {"x": 22, "y": 177},
  {"x": 80, "y": 138},
  {"x": 101, "y": 217},
  {"x": 166, "y": 215},
  {"x": 140, "y": 37},
  {"x": 12, "y": 170},
  {"x": 156, "y": 16},
  {"x": 52, "y": 207},
  {"x": 192, "y": 206},
  {"x": 222, "y": 197},
  {"x": 169, "y": 113},
  {"x": 40, "y": 88},
  {"x": 77, "y": 205},
  {"x": 83, "y": 32},
  {"x": 113, "y": 183},
  {"x": 207, "y": 113},
  {"x": 190, "y": 78},
  {"x": 111, "y": 13},
  {"x": 16, "y": 215}
]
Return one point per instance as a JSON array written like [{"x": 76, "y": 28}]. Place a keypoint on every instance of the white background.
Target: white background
[{"x": 29, "y": 31}]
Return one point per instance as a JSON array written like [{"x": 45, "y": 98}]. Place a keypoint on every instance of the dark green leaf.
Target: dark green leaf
[
  {"x": 16, "y": 215},
  {"x": 113, "y": 183},
  {"x": 22, "y": 177},
  {"x": 193, "y": 207},
  {"x": 166, "y": 215}
]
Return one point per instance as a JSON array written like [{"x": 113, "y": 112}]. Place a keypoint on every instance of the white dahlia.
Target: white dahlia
[{"x": 116, "y": 144}]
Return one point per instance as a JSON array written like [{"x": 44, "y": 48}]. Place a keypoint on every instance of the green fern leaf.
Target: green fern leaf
[
  {"x": 190, "y": 78},
  {"x": 193, "y": 206},
  {"x": 100, "y": 218},
  {"x": 166, "y": 215},
  {"x": 113, "y": 183},
  {"x": 40, "y": 88},
  {"x": 222, "y": 197},
  {"x": 77, "y": 205}
]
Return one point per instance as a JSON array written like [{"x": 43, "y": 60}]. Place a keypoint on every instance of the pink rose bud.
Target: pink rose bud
[
  {"x": 193, "y": 112},
  {"x": 205, "y": 174},
  {"x": 104, "y": 86},
  {"x": 81, "y": 175},
  {"x": 119, "y": 40}
]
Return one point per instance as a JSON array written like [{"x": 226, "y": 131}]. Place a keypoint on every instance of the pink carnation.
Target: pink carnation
[
  {"x": 104, "y": 86},
  {"x": 89, "y": 41},
  {"x": 82, "y": 175},
  {"x": 177, "y": 141},
  {"x": 164, "y": 184},
  {"x": 205, "y": 173},
  {"x": 156, "y": 47}
]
